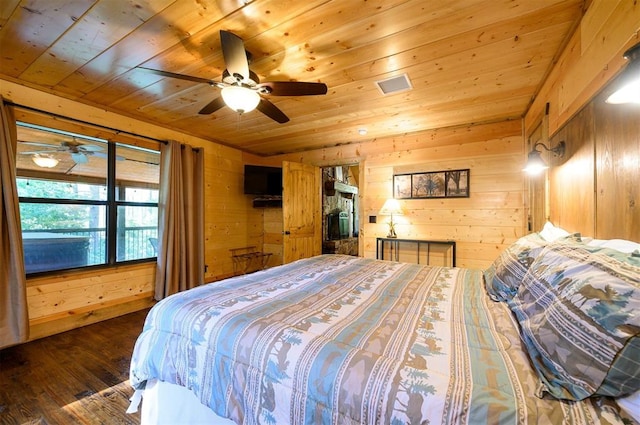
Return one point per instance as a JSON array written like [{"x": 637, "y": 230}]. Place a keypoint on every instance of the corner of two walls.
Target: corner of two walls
[
  {"x": 593, "y": 189},
  {"x": 482, "y": 225},
  {"x": 264, "y": 224}
]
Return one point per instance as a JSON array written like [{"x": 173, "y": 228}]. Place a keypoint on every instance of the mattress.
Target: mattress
[{"x": 336, "y": 339}]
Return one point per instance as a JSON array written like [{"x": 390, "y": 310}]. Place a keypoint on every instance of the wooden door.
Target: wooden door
[{"x": 301, "y": 210}]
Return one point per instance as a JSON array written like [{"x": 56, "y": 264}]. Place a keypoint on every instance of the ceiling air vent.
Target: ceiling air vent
[{"x": 394, "y": 84}]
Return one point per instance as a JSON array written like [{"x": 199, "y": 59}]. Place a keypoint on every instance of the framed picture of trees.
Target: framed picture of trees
[
  {"x": 457, "y": 184},
  {"x": 428, "y": 185},
  {"x": 436, "y": 184},
  {"x": 402, "y": 186}
]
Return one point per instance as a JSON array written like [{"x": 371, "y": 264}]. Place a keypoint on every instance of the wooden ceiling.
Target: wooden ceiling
[{"x": 469, "y": 61}]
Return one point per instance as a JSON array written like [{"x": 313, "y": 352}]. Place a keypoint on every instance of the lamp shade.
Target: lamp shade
[
  {"x": 535, "y": 163},
  {"x": 44, "y": 161},
  {"x": 391, "y": 207},
  {"x": 240, "y": 99}
]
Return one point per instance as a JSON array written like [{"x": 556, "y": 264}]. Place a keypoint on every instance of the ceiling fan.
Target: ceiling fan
[
  {"x": 79, "y": 151},
  {"x": 241, "y": 89}
]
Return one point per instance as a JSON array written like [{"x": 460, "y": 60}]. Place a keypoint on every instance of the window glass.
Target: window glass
[
  {"x": 137, "y": 232},
  {"x": 137, "y": 194},
  {"x": 42, "y": 188},
  {"x": 62, "y": 236},
  {"x": 138, "y": 170}
]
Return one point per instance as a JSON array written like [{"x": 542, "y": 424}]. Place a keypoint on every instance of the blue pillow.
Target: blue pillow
[
  {"x": 579, "y": 313},
  {"x": 504, "y": 276}
]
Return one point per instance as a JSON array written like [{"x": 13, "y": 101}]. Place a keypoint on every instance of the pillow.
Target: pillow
[
  {"x": 551, "y": 233},
  {"x": 631, "y": 405},
  {"x": 579, "y": 313},
  {"x": 503, "y": 278}
]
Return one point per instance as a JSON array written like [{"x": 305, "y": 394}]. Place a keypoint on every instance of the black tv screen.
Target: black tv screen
[{"x": 260, "y": 180}]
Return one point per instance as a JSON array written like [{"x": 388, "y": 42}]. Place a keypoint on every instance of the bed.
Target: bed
[{"x": 337, "y": 339}]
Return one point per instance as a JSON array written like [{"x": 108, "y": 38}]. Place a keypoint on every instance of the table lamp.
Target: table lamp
[{"x": 391, "y": 207}]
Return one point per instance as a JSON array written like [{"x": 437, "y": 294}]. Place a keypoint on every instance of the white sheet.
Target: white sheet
[{"x": 179, "y": 406}]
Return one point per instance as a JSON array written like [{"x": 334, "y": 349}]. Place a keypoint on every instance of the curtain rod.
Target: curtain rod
[{"x": 54, "y": 115}]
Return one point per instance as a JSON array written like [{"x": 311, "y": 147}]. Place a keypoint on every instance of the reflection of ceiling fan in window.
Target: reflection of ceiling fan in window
[{"x": 79, "y": 152}]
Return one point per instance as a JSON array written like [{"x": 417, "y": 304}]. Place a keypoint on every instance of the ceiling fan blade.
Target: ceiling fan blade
[
  {"x": 79, "y": 158},
  {"x": 104, "y": 155},
  {"x": 294, "y": 88},
  {"x": 272, "y": 111},
  {"x": 90, "y": 148},
  {"x": 179, "y": 76},
  {"x": 212, "y": 106},
  {"x": 235, "y": 56}
]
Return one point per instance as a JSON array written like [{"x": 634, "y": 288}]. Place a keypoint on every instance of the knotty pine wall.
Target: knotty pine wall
[
  {"x": 482, "y": 225},
  {"x": 65, "y": 301},
  {"x": 594, "y": 188},
  {"x": 602, "y": 169}
]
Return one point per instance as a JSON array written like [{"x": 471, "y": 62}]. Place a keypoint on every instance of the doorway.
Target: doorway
[{"x": 340, "y": 220}]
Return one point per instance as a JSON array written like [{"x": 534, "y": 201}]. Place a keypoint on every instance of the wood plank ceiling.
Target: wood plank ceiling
[{"x": 469, "y": 61}]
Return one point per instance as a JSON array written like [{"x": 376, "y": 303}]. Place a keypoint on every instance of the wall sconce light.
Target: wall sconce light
[
  {"x": 535, "y": 163},
  {"x": 629, "y": 91},
  {"x": 44, "y": 161},
  {"x": 391, "y": 207}
]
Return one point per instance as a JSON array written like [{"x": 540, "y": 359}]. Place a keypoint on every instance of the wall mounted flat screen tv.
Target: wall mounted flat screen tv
[{"x": 260, "y": 180}]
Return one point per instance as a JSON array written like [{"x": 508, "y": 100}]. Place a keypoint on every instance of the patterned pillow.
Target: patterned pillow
[
  {"x": 579, "y": 312},
  {"x": 503, "y": 278}
]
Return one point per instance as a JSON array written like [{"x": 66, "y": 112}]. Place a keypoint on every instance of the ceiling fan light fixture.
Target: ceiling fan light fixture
[
  {"x": 240, "y": 99},
  {"x": 44, "y": 161}
]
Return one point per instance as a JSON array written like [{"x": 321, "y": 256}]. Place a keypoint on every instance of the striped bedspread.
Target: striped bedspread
[{"x": 345, "y": 340}]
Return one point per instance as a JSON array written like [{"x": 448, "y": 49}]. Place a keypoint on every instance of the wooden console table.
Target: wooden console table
[
  {"x": 248, "y": 259},
  {"x": 394, "y": 245}
]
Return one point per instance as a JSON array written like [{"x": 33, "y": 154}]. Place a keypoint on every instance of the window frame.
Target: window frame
[{"x": 111, "y": 204}]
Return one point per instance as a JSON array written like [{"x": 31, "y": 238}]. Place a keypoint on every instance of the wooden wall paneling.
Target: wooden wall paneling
[
  {"x": 352, "y": 152},
  {"x": 50, "y": 325},
  {"x": 572, "y": 179},
  {"x": 61, "y": 302},
  {"x": 88, "y": 300},
  {"x": 480, "y": 254},
  {"x": 69, "y": 291},
  {"x": 617, "y": 138},
  {"x": 272, "y": 236},
  {"x": 592, "y": 56},
  {"x": 495, "y": 172},
  {"x": 226, "y": 209},
  {"x": 536, "y": 185}
]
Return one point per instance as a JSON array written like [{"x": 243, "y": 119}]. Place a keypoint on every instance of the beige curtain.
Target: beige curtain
[
  {"x": 181, "y": 220},
  {"x": 14, "y": 318}
]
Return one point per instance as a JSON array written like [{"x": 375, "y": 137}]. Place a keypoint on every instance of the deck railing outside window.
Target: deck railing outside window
[{"x": 56, "y": 249}]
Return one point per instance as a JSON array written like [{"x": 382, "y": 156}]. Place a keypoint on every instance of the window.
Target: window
[{"x": 91, "y": 202}]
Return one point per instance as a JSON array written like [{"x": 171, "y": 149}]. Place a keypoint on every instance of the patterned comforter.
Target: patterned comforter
[{"x": 346, "y": 340}]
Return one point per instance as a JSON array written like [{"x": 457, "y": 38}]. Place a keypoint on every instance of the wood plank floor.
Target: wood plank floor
[{"x": 76, "y": 377}]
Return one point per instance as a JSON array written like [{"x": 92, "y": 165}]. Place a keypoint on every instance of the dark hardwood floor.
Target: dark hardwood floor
[{"x": 76, "y": 377}]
